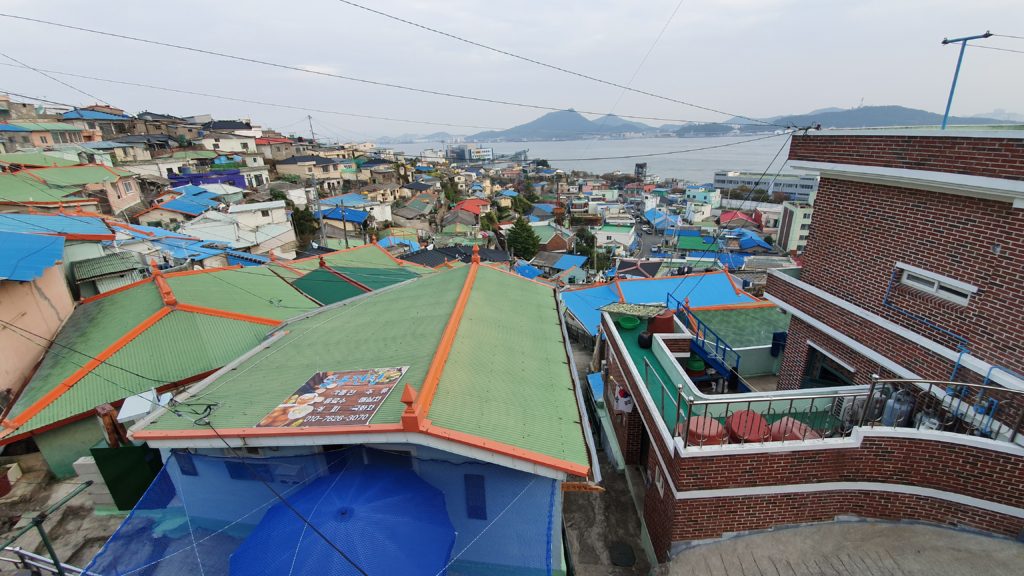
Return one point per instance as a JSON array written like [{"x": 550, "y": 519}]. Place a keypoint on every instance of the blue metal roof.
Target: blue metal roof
[
  {"x": 26, "y": 256},
  {"x": 424, "y": 168},
  {"x": 527, "y": 270},
  {"x": 190, "y": 189},
  {"x": 568, "y": 261},
  {"x": 55, "y": 224},
  {"x": 12, "y": 128},
  {"x": 711, "y": 289},
  {"x": 92, "y": 115},
  {"x": 351, "y": 200},
  {"x": 733, "y": 261},
  {"x": 548, "y": 208},
  {"x": 509, "y": 193},
  {"x": 660, "y": 220},
  {"x": 395, "y": 240},
  {"x": 192, "y": 206},
  {"x": 749, "y": 239},
  {"x": 188, "y": 248},
  {"x": 351, "y": 215}
]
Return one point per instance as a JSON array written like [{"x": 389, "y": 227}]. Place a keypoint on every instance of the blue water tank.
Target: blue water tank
[{"x": 897, "y": 409}]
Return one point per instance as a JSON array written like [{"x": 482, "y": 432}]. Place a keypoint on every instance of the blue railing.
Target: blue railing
[{"x": 711, "y": 347}]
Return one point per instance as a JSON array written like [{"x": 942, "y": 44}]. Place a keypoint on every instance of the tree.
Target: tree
[
  {"x": 585, "y": 241},
  {"x": 541, "y": 163},
  {"x": 304, "y": 222},
  {"x": 489, "y": 221},
  {"x": 523, "y": 241},
  {"x": 450, "y": 189},
  {"x": 769, "y": 240}
]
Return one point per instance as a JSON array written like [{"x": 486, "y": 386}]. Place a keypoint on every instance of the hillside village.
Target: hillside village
[{"x": 211, "y": 327}]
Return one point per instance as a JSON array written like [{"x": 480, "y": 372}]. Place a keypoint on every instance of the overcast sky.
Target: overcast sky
[{"x": 750, "y": 57}]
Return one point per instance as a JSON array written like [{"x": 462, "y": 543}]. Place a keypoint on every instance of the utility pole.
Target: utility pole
[
  {"x": 314, "y": 198},
  {"x": 963, "y": 44}
]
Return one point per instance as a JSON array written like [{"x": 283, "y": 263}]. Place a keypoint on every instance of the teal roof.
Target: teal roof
[
  {"x": 743, "y": 327},
  {"x": 326, "y": 287},
  {"x": 242, "y": 305},
  {"x": 110, "y": 264},
  {"x": 379, "y": 331},
  {"x": 21, "y": 187},
  {"x": 253, "y": 290},
  {"x": 496, "y": 386}
]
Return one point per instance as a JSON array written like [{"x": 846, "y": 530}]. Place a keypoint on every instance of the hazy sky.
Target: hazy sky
[{"x": 750, "y": 57}]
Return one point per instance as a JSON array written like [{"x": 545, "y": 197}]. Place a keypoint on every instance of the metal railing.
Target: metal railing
[
  {"x": 977, "y": 410},
  {"x": 24, "y": 559}
]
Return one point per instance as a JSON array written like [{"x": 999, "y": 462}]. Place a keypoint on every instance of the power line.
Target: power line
[
  {"x": 551, "y": 66},
  {"x": 199, "y": 421},
  {"x": 328, "y": 74},
  {"x": 59, "y": 81},
  {"x": 995, "y": 48},
  {"x": 1009, "y": 36},
  {"x": 726, "y": 145},
  {"x": 721, "y": 231},
  {"x": 247, "y": 101}
]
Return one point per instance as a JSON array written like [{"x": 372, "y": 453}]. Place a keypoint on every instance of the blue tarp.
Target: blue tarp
[
  {"x": 711, "y": 289},
  {"x": 26, "y": 256},
  {"x": 351, "y": 215},
  {"x": 568, "y": 261},
  {"x": 92, "y": 115},
  {"x": 527, "y": 270},
  {"x": 54, "y": 224},
  {"x": 193, "y": 206},
  {"x": 509, "y": 193},
  {"x": 733, "y": 261},
  {"x": 546, "y": 208},
  {"x": 396, "y": 240},
  {"x": 596, "y": 384}
]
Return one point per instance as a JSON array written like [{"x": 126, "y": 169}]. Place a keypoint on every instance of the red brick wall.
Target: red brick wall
[
  {"x": 860, "y": 231},
  {"x": 678, "y": 345},
  {"x": 984, "y": 474},
  {"x": 995, "y": 157},
  {"x": 556, "y": 244},
  {"x": 709, "y": 518}
]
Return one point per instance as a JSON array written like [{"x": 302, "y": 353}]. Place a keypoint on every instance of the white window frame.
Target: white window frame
[{"x": 944, "y": 287}]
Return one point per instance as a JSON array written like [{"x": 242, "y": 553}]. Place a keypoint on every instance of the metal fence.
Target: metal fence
[
  {"x": 25, "y": 560},
  {"x": 971, "y": 409}
]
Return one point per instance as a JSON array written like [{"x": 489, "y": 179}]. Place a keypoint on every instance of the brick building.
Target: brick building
[{"x": 923, "y": 286}]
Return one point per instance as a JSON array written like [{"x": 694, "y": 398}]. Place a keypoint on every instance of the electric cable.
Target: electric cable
[
  {"x": 57, "y": 80},
  {"x": 323, "y": 73},
  {"x": 625, "y": 87}
]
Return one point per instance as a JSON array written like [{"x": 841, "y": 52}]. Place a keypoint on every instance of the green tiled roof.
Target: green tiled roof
[
  {"x": 78, "y": 175},
  {"x": 179, "y": 346},
  {"x": 376, "y": 278},
  {"x": 47, "y": 126},
  {"x": 325, "y": 287},
  {"x": 35, "y": 159},
  {"x": 194, "y": 154},
  {"x": 615, "y": 229},
  {"x": 91, "y": 329},
  {"x": 253, "y": 290},
  {"x": 380, "y": 331},
  {"x": 23, "y": 188},
  {"x": 545, "y": 232},
  {"x": 745, "y": 327},
  {"x": 369, "y": 256},
  {"x": 106, "y": 265},
  {"x": 339, "y": 243},
  {"x": 695, "y": 243},
  {"x": 522, "y": 396}
]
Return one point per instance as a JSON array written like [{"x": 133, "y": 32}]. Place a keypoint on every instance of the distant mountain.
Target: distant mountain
[
  {"x": 407, "y": 138},
  {"x": 563, "y": 125},
  {"x": 877, "y": 116},
  {"x": 1001, "y": 114},
  {"x": 621, "y": 124}
]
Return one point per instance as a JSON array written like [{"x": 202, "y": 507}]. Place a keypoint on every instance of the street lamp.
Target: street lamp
[{"x": 963, "y": 44}]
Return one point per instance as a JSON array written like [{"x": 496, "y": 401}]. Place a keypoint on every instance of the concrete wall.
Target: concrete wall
[
  {"x": 40, "y": 307},
  {"x": 63, "y": 445}
]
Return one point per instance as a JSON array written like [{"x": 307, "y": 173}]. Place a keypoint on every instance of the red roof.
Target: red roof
[
  {"x": 273, "y": 141},
  {"x": 472, "y": 205},
  {"x": 730, "y": 215}
]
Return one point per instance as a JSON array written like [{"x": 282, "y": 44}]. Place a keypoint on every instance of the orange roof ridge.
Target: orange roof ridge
[
  {"x": 82, "y": 372},
  {"x": 225, "y": 314},
  {"x": 508, "y": 450},
  {"x": 513, "y": 274},
  {"x": 200, "y": 271},
  {"x": 165, "y": 289},
  {"x": 116, "y": 290},
  {"x": 622, "y": 297},
  {"x": 444, "y": 347}
]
